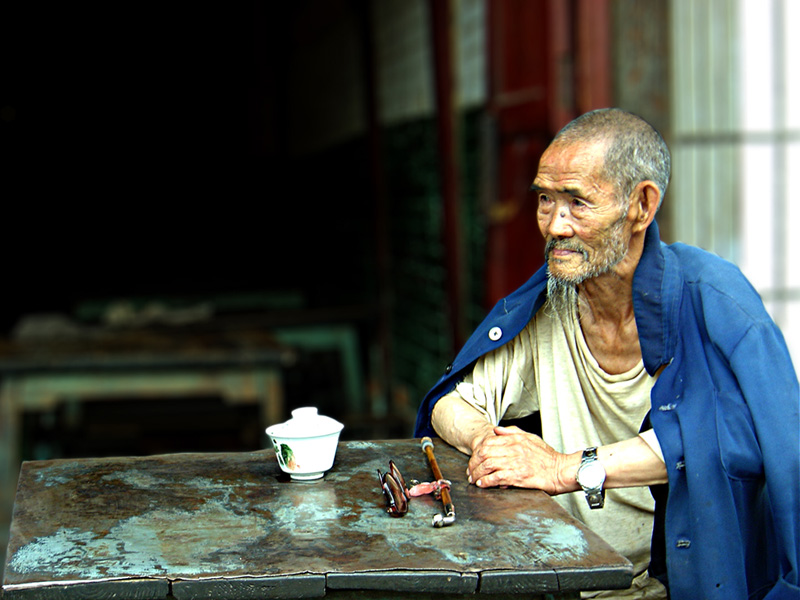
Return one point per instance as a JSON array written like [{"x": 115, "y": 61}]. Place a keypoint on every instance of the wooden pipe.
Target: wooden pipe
[{"x": 447, "y": 502}]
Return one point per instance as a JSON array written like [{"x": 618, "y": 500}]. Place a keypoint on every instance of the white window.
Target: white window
[{"x": 736, "y": 142}]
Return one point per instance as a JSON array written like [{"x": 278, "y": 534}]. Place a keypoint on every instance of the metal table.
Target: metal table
[{"x": 233, "y": 526}]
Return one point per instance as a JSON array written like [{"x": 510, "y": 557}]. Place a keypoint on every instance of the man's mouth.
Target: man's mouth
[
  {"x": 561, "y": 253},
  {"x": 563, "y": 249}
]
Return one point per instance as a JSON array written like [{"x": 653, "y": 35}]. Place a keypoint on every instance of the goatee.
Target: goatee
[{"x": 562, "y": 295}]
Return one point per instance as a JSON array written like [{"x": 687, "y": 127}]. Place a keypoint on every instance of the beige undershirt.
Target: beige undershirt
[{"x": 580, "y": 406}]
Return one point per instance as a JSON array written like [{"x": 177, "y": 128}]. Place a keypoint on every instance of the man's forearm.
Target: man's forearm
[
  {"x": 629, "y": 463},
  {"x": 514, "y": 457},
  {"x": 459, "y": 423},
  {"x": 632, "y": 463}
]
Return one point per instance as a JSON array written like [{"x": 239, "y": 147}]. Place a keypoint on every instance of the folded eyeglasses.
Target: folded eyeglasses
[{"x": 394, "y": 490}]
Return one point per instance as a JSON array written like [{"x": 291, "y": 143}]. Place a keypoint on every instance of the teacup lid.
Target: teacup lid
[{"x": 307, "y": 422}]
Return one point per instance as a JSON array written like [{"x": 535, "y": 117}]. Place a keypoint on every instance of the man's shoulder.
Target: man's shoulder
[
  {"x": 699, "y": 262},
  {"x": 519, "y": 303},
  {"x": 708, "y": 271},
  {"x": 507, "y": 318},
  {"x": 729, "y": 301}
]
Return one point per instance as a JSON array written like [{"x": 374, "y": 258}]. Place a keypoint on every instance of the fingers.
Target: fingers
[
  {"x": 496, "y": 470},
  {"x": 488, "y": 474},
  {"x": 508, "y": 445},
  {"x": 494, "y": 457},
  {"x": 512, "y": 457},
  {"x": 498, "y": 478}
]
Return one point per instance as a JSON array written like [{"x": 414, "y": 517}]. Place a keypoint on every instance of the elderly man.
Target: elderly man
[{"x": 649, "y": 365}]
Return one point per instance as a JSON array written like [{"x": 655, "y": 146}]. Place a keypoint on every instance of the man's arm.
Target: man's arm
[
  {"x": 516, "y": 458},
  {"x": 460, "y": 424},
  {"x": 508, "y": 456}
]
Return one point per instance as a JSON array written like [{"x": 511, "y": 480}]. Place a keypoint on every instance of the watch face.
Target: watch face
[{"x": 591, "y": 475}]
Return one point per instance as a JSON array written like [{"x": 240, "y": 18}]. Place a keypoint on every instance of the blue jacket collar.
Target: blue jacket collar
[{"x": 656, "y": 284}]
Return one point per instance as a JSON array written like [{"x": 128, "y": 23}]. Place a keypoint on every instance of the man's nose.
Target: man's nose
[{"x": 560, "y": 225}]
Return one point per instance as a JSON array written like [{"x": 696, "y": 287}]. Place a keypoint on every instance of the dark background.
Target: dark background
[{"x": 141, "y": 155}]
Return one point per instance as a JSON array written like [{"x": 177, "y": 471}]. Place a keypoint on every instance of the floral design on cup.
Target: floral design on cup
[{"x": 286, "y": 457}]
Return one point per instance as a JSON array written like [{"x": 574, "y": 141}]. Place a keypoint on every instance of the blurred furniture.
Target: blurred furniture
[
  {"x": 232, "y": 525},
  {"x": 237, "y": 365},
  {"x": 341, "y": 338}
]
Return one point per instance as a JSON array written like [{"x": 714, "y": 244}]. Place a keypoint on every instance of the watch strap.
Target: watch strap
[{"x": 595, "y": 497}]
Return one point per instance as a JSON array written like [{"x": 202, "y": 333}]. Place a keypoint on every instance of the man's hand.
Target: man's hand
[{"x": 513, "y": 457}]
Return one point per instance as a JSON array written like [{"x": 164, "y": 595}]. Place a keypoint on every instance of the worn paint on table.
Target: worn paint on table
[{"x": 190, "y": 516}]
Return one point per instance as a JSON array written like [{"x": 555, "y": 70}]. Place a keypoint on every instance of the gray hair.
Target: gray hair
[{"x": 636, "y": 152}]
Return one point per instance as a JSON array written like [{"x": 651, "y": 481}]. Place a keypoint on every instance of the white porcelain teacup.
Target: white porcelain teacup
[{"x": 305, "y": 445}]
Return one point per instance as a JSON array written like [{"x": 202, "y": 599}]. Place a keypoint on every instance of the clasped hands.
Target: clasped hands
[{"x": 509, "y": 456}]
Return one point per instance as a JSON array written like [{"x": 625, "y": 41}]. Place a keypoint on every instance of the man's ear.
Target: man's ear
[{"x": 644, "y": 204}]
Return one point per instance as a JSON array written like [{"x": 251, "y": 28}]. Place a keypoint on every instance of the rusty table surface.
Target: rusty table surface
[{"x": 232, "y": 525}]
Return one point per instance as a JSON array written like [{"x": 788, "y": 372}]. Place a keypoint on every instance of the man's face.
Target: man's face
[{"x": 579, "y": 214}]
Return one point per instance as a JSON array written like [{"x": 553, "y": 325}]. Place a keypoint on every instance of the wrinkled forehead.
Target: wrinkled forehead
[{"x": 573, "y": 162}]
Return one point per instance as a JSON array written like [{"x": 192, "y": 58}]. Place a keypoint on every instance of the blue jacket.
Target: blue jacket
[{"x": 725, "y": 410}]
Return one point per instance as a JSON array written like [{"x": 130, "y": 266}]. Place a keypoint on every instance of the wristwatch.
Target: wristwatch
[{"x": 591, "y": 476}]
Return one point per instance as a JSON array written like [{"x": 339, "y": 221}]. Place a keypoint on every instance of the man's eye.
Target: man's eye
[
  {"x": 577, "y": 202},
  {"x": 544, "y": 199}
]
